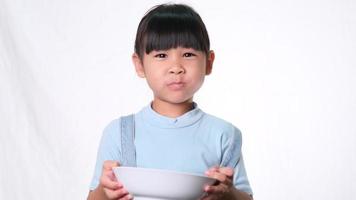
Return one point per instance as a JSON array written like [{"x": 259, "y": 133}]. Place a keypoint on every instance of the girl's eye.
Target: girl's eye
[
  {"x": 188, "y": 54},
  {"x": 160, "y": 55}
]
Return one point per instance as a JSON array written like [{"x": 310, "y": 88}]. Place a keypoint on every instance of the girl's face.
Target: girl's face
[{"x": 174, "y": 75}]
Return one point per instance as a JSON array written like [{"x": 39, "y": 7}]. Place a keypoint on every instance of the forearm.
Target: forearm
[
  {"x": 236, "y": 194},
  {"x": 97, "y": 194}
]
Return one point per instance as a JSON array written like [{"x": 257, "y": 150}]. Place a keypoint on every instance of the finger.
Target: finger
[
  {"x": 127, "y": 197},
  {"x": 222, "y": 178},
  {"x": 121, "y": 194},
  {"x": 116, "y": 194},
  {"x": 109, "y": 164},
  {"x": 218, "y": 189},
  {"x": 227, "y": 171},
  {"x": 209, "y": 197},
  {"x": 111, "y": 175},
  {"x": 217, "y": 175},
  {"x": 106, "y": 182},
  {"x": 213, "y": 169},
  {"x": 206, "y": 196}
]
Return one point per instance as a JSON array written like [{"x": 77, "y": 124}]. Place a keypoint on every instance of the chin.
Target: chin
[{"x": 178, "y": 100}]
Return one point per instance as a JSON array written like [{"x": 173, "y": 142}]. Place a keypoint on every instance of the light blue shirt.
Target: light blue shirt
[{"x": 193, "y": 142}]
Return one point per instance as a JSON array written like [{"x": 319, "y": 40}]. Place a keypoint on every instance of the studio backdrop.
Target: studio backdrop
[{"x": 285, "y": 75}]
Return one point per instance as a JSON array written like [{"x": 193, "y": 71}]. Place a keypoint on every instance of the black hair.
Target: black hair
[{"x": 170, "y": 26}]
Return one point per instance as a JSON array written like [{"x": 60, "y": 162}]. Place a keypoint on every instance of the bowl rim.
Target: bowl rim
[{"x": 164, "y": 171}]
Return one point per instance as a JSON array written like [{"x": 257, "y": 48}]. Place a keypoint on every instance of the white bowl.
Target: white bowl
[{"x": 145, "y": 183}]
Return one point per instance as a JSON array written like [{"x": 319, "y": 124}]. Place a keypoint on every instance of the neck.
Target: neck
[{"x": 172, "y": 109}]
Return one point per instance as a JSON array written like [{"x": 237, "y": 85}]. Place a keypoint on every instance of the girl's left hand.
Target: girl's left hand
[{"x": 224, "y": 186}]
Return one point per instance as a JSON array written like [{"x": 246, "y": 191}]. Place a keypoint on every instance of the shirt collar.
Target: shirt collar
[{"x": 152, "y": 117}]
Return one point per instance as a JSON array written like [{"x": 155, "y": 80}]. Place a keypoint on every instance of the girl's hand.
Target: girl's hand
[
  {"x": 113, "y": 189},
  {"x": 224, "y": 186}
]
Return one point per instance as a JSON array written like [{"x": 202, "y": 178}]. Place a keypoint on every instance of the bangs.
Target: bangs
[
  {"x": 171, "y": 26},
  {"x": 167, "y": 33}
]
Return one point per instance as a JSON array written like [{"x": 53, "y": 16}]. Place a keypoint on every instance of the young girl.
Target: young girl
[{"x": 172, "y": 52}]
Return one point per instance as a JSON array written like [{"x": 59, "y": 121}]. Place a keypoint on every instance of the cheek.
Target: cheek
[
  {"x": 154, "y": 80},
  {"x": 198, "y": 78}
]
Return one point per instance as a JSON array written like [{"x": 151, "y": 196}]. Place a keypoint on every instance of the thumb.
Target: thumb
[{"x": 109, "y": 164}]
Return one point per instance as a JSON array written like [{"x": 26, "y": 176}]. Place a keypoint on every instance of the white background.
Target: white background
[{"x": 285, "y": 74}]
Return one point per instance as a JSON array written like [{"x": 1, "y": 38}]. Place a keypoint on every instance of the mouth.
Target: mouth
[{"x": 176, "y": 85}]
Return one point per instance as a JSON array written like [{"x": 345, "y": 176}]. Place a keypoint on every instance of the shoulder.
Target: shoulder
[
  {"x": 112, "y": 128},
  {"x": 111, "y": 133},
  {"x": 228, "y": 138},
  {"x": 221, "y": 125},
  {"x": 226, "y": 133}
]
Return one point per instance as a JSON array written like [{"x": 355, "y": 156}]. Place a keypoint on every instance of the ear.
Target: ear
[
  {"x": 209, "y": 62},
  {"x": 138, "y": 65}
]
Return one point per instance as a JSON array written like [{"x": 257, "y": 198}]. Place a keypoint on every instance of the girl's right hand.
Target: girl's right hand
[{"x": 113, "y": 189}]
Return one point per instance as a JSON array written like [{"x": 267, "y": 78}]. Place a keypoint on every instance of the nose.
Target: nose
[{"x": 176, "y": 70}]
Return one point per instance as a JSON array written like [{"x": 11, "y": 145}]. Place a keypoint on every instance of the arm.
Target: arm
[
  {"x": 233, "y": 159},
  {"x": 97, "y": 194},
  {"x": 224, "y": 190},
  {"x": 109, "y": 187},
  {"x": 236, "y": 194},
  {"x": 109, "y": 150}
]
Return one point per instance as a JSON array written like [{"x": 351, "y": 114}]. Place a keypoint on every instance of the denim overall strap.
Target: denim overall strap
[{"x": 128, "y": 151}]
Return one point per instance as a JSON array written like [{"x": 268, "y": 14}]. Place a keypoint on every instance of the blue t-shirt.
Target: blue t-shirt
[{"x": 193, "y": 142}]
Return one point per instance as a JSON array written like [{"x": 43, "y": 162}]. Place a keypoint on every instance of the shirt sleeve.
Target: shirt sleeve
[
  {"x": 232, "y": 157},
  {"x": 109, "y": 149}
]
